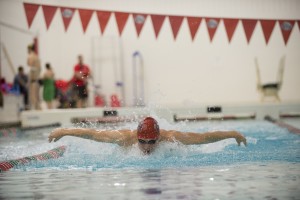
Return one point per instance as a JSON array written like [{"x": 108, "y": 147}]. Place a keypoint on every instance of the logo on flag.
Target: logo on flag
[
  {"x": 67, "y": 13},
  {"x": 139, "y": 19},
  {"x": 212, "y": 23},
  {"x": 286, "y": 26}
]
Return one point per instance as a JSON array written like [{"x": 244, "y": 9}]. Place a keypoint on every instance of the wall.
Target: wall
[{"x": 177, "y": 73}]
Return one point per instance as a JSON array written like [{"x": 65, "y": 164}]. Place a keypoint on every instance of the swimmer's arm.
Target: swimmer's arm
[
  {"x": 110, "y": 136},
  {"x": 204, "y": 138}
]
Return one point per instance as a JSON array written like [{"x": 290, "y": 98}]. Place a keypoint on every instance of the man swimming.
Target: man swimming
[{"x": 148, "y": 135}]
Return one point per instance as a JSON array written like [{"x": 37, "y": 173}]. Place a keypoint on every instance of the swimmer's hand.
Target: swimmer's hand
[
  {"x": 240, "y": 138},
  {"x": 56, "y": 134}
]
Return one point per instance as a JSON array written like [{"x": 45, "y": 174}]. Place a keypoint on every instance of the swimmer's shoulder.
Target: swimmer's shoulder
[
  {"x": 165, "y": 135},
  {"x": 169, "y": 135},
  {"x": 129, "y": 137}
]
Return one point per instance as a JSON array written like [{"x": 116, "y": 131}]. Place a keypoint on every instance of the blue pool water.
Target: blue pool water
[{"x": 268, "y": 168}]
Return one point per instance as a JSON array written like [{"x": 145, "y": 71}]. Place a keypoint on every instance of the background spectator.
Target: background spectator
[
  {"x": 80, "y": 82},
  {"x": 33, "y": 62},
  {"x": 21, "y": 85},
  {"x": 48, "y": 86}
]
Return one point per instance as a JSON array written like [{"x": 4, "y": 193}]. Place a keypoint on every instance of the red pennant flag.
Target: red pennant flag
[
  {"x": 103, "y": 17},
  {"x": 194, "y": 23},
  {"x": 30, "y": 11},
  {"x": 230, "y": 26},
  {"x": 121, "y": 19},
  {"x": 249, "y": 25},
  {"x": 85, "y": 17},
  {"x": 267, "y": 27},
  {"x": 286, "y": 27},
  {"x": 157, "y": 21},
  {"x": 67, "y": 15},
  {"x": 49, "y": 12},
  {"x": 139, "y": 21},
  {"x": 175, "y": 22},
  {"x": 212, "y": 25}
]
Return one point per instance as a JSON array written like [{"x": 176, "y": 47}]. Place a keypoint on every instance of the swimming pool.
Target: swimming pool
[{"x": 268, "y": 168}]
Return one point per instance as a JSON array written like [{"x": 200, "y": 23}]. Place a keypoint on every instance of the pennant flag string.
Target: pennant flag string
[
  {"x": 194, "y": 23},
  {"x": 230, "y": 26},
  {"x": 139, "y": 19},
  {"x": 49, "y": 12},
  {"x": 175, "y": 22},
  {"x": 103, "y": 18},
  {"x": 121, "y": 18},
  {"x": 249, "y": 26},
  {"x": 85, "y": 17},
  {"x": 267, "y": 27},
  {"x": 157, "y": 21},
  {"x": 286, "y": 27},
  {"x": 212, "y": 25},
  {"x": 30, "y": 11},
  {"x": 67, "y": 15}
]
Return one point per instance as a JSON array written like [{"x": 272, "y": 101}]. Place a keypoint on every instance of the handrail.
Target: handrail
[{"x": 138, "y": 79}]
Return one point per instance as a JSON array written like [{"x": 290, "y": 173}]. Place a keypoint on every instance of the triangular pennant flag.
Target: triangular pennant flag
[
  {"x": 67, "y": 15},
  {"x": 157, "y": 21},
  {"x": 230, "y": 26},
  {"x": 212, "y": 25},
  {"x": 30, "y": 11},
  {"x": 286, "y": 27},
  {"x": 249, "y": 25},
  {"x": 175, "y": 22},
  {"x": 139, "y": 21},
  {"x": 85, "y": 17},
  {"x": 103, "y": 17},
  {"x": 194, "y": 23},
  {"x": 267, "y": 27},
  {"x": 49, "y": 12},
  {"x": 121, "y": 19}
]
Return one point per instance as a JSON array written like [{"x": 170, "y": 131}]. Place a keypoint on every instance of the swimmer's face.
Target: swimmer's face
[{"x": 147, "y": 146}]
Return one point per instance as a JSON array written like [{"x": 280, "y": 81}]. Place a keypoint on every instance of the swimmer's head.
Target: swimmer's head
[{"x": 147, "y": 134}]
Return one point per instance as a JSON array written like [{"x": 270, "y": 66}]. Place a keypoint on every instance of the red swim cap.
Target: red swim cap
[{"x": 148, "y": 129}]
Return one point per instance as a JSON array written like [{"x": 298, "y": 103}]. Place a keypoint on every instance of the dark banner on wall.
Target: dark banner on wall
[{"x": 139, "y": 19}]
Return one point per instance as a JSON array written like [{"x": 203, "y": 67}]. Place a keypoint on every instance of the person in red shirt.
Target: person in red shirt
[{"x": 80, "y": 81}]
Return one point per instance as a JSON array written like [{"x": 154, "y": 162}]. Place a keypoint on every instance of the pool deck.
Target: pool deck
[
  {"x": 108, "y": 115},
  {"x": 11, "y": 115}
]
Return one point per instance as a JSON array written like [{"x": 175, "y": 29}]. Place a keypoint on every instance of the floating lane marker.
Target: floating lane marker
[
  {"x": 279, "y": 123},
  {"x": 51, "y": 154}
]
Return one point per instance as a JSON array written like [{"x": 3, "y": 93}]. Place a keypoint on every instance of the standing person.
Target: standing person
[
  {"x": 34, "y": 64},
  {"x": 80, "y": 81},
  {"x": 21, "y": 84},
  {"x": 49, "y": 86},
  {"x": 147, "y": 135}
]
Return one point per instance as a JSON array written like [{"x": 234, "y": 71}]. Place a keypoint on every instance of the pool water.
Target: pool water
[{"x": 268, "y": 168}]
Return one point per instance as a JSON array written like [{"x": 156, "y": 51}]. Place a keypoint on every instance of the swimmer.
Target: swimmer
[{"x": 148, "y": 136}]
